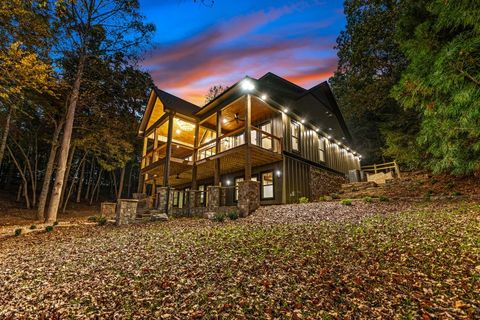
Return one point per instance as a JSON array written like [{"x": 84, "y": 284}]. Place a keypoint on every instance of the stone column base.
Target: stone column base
[
  {"x": 108, "y": 209},
  {"x": 213, "y": 196},
  {"x": 126, "y": 211}
]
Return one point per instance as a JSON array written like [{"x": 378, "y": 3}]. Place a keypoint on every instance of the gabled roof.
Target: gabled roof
[{"x": 175, "y": 103}]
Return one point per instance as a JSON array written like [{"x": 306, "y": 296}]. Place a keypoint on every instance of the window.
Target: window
[
  {"x": 267, "y": 185},
  {"x": 175, "y": 198},
  {"x": 295, "y": 136},
  {"x": 237, "y": 180},
  {"x": 321, "y": 149},
  {"x": 266, "y": 141}
]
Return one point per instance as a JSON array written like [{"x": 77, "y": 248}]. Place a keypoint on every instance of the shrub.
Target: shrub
[
  {"x": 303, "y": 200},
  {"x": 55, "y": 223},
  {"x": 18, "y": 232},
  {"x": 233, "y": 215},
  {"x": 101, "y": 221},
  {"x": 33, "y": 227},
  {"x": 219, "y": 217},
  {"x": 322, "y": 198},
  {"x": 346, "y": 202},
  {"x": 335, "y": 196},
  {"x": 368, "y": 199},
  {"x": 384, "y": 198},
  {"x": 93, "y": 218},
  {"x": 49, "y": 228},
  {"x": 427, "y": 196}
]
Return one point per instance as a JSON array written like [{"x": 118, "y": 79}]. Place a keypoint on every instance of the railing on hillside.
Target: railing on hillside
[{"x": 382, "y": 167}]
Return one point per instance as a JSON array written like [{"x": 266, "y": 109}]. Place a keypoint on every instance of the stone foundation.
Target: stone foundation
[
  {"x": 108, "y": 209},
  {"x": 213, "y": 197},
  {"x": 248, "y": 197},
  {"x": 126, "y": 211},
  {"x": 164, "y": 201},
  {"x": 323, "y": 182}
]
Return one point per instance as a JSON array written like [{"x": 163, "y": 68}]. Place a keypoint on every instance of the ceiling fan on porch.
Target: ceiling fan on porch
[{"x": 236, "y": 118}]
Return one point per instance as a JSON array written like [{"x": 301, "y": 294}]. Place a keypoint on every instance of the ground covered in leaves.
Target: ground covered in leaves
[{"x": 395, "y": 260}]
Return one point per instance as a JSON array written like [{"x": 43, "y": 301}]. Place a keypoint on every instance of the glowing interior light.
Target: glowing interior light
[
  {"x": 178, "y": 131},
  {"x": 247, "y": 85},
  {"x": 224, "y": 120}
]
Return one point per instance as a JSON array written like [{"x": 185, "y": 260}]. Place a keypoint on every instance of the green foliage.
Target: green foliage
[
  {"x": 233, "y": 215},
  {"x": 101, "y": 221},
  {"x": 93, "y": 218},
  {"x": 49, "y": 228},
  {"x": 33, "y": 227},
  {"x": 219, "y": 217},
  {"x": 322, "y": 198},
  {"x": 456, "y": 193},
  {"x": 368, "y": 199},
  {"x": 346, "y": 202},
  {"x": 18, "y": 232},
  {"x": 383, "y": 199},
  {"x": 441, "y": 40},
  {"x": 303, "y": 200}
]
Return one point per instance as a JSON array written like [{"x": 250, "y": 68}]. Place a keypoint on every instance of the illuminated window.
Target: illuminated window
[
  {"x": 266, "y": 140},
  {"x": 295, "y": 136},
  {"x": 267, "y": 185}
]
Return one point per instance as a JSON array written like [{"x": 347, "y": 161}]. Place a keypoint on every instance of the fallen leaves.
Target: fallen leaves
[{"x": 320, "y": 260}]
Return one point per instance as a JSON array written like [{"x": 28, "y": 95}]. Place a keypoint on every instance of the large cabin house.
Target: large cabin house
[{"x": 293, "y": 141}]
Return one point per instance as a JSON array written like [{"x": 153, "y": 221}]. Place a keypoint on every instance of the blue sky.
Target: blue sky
[{"x": 198, "y": 46}]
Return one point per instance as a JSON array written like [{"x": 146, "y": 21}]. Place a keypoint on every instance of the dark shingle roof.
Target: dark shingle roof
[{"x": 175, "y": 103}]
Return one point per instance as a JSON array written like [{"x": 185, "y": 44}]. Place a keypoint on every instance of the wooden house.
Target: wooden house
[{"x": 292, "y": 140}]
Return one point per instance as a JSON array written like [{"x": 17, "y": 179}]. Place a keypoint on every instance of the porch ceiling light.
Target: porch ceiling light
[
  {"x": 178, "y": 131},
  {"x": 184, "y": 125},
  {"x": 224, "y": 120},
  {"x": 285, "y": 110},
  {"x": 302, "y": 121},
  {"x": 316, "y": 130},
  {"x": 247, "y": 85},
  {"x": 264, "y": 97},
  {"x": 329, "y": 137}
]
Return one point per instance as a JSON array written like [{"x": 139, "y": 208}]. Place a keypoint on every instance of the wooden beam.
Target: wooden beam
[
  {"x": 248, "y": 140},
  {"x": 155, "y": 145},
  {"x": 216, "y": 172},
  {"x": 195, "y": 152},
  {"x": 168, "y": 155}
]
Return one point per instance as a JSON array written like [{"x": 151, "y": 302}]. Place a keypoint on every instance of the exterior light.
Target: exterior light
[
  {"x": 178, "y": 131},
  {"x": 264, "y": 97},
  {"x": 329, "y": 137},
  {"x": 316, "y": 130},
  {"x": 278, "y": 173},
  {"x": 228, "y": 182},
  {"x": 247, "y": 85},
  {"x": 302, "y": 121},
  {"x": 285, "y": 110}
]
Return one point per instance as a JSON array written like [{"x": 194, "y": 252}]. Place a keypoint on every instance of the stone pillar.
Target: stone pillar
[
  {"x": 192, "y": 199},
  {"x": 248, "y": 197},
  {"x": 164, "y": 199},
  {"x": 107, "y": 209},
  {"x": 126, "y": 211},
  {"x": 213, "y": 196}
]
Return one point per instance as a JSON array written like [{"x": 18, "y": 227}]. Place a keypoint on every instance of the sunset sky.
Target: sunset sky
[{"x": 199, "y": 46}]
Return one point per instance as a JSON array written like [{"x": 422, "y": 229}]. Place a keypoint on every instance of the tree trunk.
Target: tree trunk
[
  {"x": 120, "y": 186},
  {"x": 42, "y": 200},
  {"x": 28, "y": 166},
  {"x": 67, "y": 172},
  {"x": 90, "y": 178},
  {"x": 80, "y": 182},
  {"x": 19, "y": 192},
  {"x": 96, "y": 186},
  {"x": 114, "y": 181},
  {"x": 67, "y": 135},
  {"x": 80, "y": 164},
  {"x": 22, "y": 174},
  {"x": 6, "y": 130},
  {"x": 129, "y": 181}
]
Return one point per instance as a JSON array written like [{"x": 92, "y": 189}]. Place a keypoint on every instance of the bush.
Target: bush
[
  {"x": 346, "y": 202},
  {"x": 427, "y": 196},
  {"x": 335, "y": 196},
  {"x": 303, "y": 200},
  {"x": 368, "y": 199},
  {"x": 384, "y": 198},
  {"x": 93, "y": 218},
  {"x": 49, "y": 228},
  {"x": 219, "y": 217},
  {"x": 55, "y": 223},
  {"x": 233, "y": 215},
  {"x": 33, "y": 227},
  {"x": 18, "y": 232},
  {"x": 101, "y": 221},
  {"x": 456, "y": 193}
]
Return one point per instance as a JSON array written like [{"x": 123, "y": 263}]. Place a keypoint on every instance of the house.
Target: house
[{"x": 293, "y": 141}]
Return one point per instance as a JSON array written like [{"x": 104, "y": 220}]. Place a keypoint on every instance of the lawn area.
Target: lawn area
[{"x": 392, "y": 260}]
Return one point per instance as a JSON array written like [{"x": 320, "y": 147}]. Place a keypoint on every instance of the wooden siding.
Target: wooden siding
[
  {"x": 336, "y": 158},
  {"x": 296, "y": 180}
]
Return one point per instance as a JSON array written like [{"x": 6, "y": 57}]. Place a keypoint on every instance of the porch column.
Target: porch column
[
  {"x": 216, "y": 175},
  {"x": 248, "y": 140},
  {"x": 155, "y": 144},
  {"x": 194, "y": 158},
  {"x": 168, "y": 151}
]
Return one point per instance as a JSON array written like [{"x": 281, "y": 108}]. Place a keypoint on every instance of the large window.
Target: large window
[
  {"x": 295, "y": 136},
  {"x": 266, "y": 141},
  {"x": 321, "y": 149},
  {"x": 267, "y": 185}
]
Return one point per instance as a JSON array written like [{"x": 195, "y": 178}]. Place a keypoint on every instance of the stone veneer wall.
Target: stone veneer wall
[
  {"x": 126, "y": 211},
  {"x": 323, "y": 182},
  {"x": 108, "y": 209},
  {"x": 248, "y": 197}
]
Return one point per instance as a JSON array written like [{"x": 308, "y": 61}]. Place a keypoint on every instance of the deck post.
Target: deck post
[
  {"x": 155, "y": 145},
  {"x": 194, "y": 157},
  {"x": 216, "y": 176},
  {"x": 168, "y": 155},
  {"x": 248, "y": 140}
]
